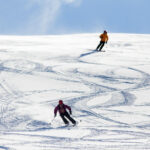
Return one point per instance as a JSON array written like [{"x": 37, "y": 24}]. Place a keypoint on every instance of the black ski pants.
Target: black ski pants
[
  {"x": 100, "y": 45},
  {"x": 66, "y": 115}
]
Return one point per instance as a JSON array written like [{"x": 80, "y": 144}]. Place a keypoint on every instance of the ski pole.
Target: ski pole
[
  {"x": 106, "y": 46},
  {"x": 52, "y": 121}
]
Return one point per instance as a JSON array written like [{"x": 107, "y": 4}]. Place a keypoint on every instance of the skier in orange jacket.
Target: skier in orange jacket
[{"x": 104, "y": 39}]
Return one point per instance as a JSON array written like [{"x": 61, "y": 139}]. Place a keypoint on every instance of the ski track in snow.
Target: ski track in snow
[{"x": 108, "y": 92}]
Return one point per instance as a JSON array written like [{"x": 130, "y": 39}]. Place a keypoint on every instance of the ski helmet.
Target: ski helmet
[
  {"x": 60, "y": 102},
  {"x": 105, "y": 31}
]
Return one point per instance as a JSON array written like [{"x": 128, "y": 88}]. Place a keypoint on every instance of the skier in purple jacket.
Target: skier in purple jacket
[{"x": 61, "y": 107}]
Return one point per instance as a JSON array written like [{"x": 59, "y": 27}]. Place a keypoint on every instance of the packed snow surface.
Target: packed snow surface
[{"x": 108, "y": 92}]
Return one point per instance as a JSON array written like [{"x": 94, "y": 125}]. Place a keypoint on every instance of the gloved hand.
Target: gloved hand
[
  {"x": 70, "y": 112},
  {"x": 54, "y": 115}
]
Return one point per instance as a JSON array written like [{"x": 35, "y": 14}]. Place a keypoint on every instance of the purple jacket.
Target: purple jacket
[{"x": 62, "y": 109}]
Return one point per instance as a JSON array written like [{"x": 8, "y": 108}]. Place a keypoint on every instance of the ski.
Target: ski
[{"x": 101, "y": 51}]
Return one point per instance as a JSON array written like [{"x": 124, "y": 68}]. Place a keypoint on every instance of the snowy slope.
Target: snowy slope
[{"x": 108, "y": 92}]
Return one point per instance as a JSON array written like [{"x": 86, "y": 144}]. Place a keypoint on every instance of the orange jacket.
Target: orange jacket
[{"x": 104, "y": 37}]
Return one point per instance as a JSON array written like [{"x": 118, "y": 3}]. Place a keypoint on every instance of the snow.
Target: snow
[{"x": 108, "y": 92}]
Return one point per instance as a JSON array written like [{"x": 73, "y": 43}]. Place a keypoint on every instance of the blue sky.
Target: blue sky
[{"x": 26, "y": 17}]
